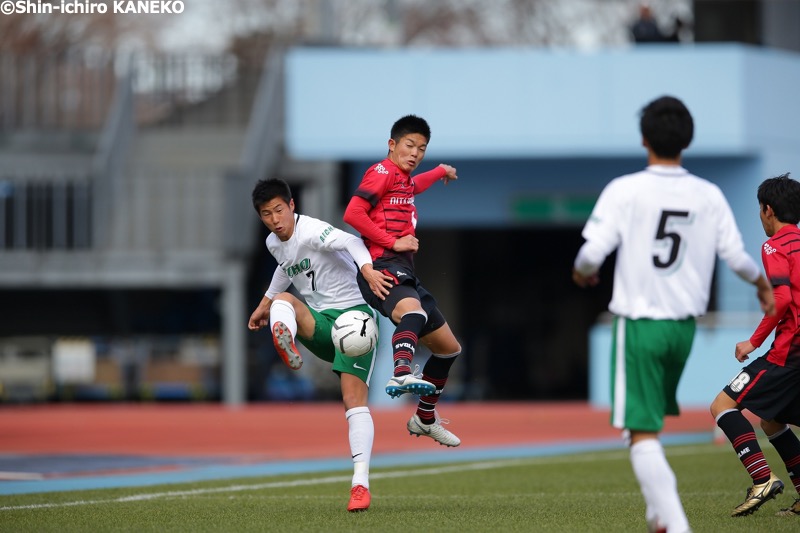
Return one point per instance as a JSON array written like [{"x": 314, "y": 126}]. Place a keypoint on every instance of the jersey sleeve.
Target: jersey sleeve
[
  {"x": 776, "y": 265},
  {"x": 330, "y": 238},
  {"x": 279, "y": 283},
  {"x": 357, "y": 216},
  {"x": 424, "y": 180},
  {"x": 373, "y": 185},
  {"x": 783, "y": 298},
  {"x": 601, "y": 231}
]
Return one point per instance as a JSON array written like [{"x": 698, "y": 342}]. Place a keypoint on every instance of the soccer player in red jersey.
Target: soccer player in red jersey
[
  {"x": 382, "y": 210},
  {"x": 770, "y": 386}
]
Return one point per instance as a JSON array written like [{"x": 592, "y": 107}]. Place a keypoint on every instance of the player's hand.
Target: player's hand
[
  {"x": 258, "y": 321},
  {"x": 585, "y": 281},
  {"x": 260, "y": 316},
  {"x": 379, "y": 283},
  {"x": 450, "y": 173},
  {"x": 742, "y": 350},
  {"x": 406, "y": 243}
]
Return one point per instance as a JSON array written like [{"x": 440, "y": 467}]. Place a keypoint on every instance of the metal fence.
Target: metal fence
[
  {"x": 74, "y": 91},
  {"x": 46, "y": 213},
  {"x": 108, "y": 97},
  {"x": 70, "y": 92}
]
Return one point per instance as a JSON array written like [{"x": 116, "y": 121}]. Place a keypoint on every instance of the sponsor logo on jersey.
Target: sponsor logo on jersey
[
  {"x": 400, "y": 274},
  {"x": 299, "y": 268},
  {"x": 327, "y": 231},
  {"x": 380, "y": 169},
  {"x": 769, "y": 250},
  {"x": 400, "y": 201}
]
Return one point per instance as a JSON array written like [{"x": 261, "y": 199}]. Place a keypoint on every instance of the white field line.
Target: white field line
[{"x": 485, "y": 465}]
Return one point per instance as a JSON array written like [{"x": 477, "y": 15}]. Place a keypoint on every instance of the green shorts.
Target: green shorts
[
  {"x": 647, "y": 360},
  {"x": 322, "y": 346}
]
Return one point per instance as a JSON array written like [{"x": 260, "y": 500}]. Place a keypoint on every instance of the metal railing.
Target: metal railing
[
  {"x": 47, "y": 92},
  {"x": 45, "y": 213},
  {"x": 110, "y": 158},
  {"x": 74, "y": 91},
  {"x": 260, "y": 155},
  {"x": 112, "y": 205}
]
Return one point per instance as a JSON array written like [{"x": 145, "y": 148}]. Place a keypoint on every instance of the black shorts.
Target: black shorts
[
  {"x": 767, "y": 390},
  {"x": 404, "y": 285}
]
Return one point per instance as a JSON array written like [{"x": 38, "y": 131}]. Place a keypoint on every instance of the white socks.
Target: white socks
[
  {"x": 659, "y": 486},
  {"x": 362, "y": 433},
  {"x": 282, "y": 311}
]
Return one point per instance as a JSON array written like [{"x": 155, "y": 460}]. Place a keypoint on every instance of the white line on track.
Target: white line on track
[
  {"x": 271, "y": 485},
  {"x": 486, "y": 465}
]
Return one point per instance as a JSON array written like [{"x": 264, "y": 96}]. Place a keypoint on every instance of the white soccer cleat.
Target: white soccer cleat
[
  {"x": 413, "y": 383},
  {"x": 434, "y": 431}
]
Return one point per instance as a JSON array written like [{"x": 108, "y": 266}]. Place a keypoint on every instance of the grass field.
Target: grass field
[{"x": 586, "y": 492}]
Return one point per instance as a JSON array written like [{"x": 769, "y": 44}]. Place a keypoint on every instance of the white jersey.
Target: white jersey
[
  {"x": 667, "y": 227},
  {"x": 320, "y": 261}
]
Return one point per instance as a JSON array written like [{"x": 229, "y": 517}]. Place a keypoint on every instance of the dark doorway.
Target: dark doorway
[{"x": 523, "y": 323}]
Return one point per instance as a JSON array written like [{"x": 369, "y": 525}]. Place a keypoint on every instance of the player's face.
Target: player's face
[
  {"x": 278, "y": 217},
  {"x": 408, "y": 152}
]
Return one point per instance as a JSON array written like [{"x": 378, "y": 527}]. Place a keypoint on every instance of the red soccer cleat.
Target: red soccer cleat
[
  {"x": 359, "y": 499},
  {"x": 284, "y": 345}
]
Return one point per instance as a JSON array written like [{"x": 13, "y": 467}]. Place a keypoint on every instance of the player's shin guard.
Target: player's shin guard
[
  {"x": 362, "y": 434},
  {"x": 404, "y": 341},
  {"x": 282, "y": 311},
  {"x": 658, "y": 484},
  {"x": 788, "y": 447},
  {"x": 436, "y": 371},
  {"x": 743, "y": 439}
]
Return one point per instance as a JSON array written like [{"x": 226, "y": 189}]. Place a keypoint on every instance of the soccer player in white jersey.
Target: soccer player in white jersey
[
  {"x": 320, "y": 261},
  {"x": 667, "y": 227}
]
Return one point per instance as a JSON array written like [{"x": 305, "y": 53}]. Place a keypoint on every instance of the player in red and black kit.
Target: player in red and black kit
[
  {"x": 382, "y": 210},
  {"x": 770, "y": 386}
]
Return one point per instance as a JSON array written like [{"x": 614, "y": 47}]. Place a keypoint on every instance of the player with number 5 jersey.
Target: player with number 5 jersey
[{"x": 667, "y": 227}]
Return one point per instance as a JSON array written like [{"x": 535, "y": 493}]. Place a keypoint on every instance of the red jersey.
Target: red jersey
[
  {"x": 781, "y": 258},
  {"x": 390, "y": 213}
]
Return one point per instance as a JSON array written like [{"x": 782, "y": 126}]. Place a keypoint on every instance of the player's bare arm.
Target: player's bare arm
[
  {"x": 260, "y": 316},
  {"x": 406, "y": 243},
  {"x": 450, "y": 173},
  {"x": 379, "y": 282}
]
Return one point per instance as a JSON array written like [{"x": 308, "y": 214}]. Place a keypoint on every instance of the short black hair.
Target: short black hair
[
  {"x": 266, "y": 190},
  {"x": 410, "y": 124},
  {"x": 782, "y": 193},
  {"x": 667, "y": 126}
]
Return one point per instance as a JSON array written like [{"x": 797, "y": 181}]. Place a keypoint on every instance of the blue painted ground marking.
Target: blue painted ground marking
[{"x": 191, "y": 472}]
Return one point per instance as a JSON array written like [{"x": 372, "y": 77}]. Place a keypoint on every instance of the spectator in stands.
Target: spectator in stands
[{"x": 645, "y": 29}]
